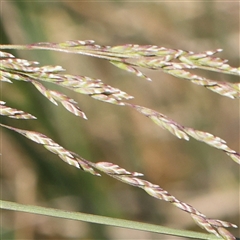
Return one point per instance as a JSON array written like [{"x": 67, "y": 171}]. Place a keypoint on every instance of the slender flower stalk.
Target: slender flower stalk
[
  {"x": 184, "y": 132},
  {"x": 127, "y": 57},
  {"x": 214, "y": 226},
  {"x": 171, "y": 61},
  {"x": 22, "y": 70}
]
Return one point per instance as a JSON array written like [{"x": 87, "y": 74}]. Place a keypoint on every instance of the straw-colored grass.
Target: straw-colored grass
[{"x": 127, "y": 57}]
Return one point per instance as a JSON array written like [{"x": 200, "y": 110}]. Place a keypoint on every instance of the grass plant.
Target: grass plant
[{"x": 129, "y": 57}]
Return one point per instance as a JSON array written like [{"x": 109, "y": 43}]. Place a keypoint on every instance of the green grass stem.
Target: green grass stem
[{"x": 103, "y": 220}]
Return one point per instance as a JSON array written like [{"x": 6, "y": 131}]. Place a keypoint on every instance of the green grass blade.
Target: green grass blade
[{"x": 103, "y": 220}]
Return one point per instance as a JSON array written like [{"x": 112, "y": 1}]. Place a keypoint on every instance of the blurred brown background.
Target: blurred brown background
[{"x": 192, "y": 171}]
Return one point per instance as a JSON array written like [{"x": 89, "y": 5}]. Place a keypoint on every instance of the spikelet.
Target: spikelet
[{"x": 14, "y": 113}]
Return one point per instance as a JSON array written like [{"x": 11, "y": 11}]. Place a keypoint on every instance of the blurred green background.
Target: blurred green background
[{"x": 192, "y": 171}]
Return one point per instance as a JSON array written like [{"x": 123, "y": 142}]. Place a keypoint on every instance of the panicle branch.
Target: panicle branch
[
  {"x": 171, "y": 61},
  {"x": 127, "y": 57},
  {"x": 22, "y": 70},
  {"x": 67, "y": 102},
  {"x": 183, "y": 132},
  {"x": 67, "y": 156},
  {"x": 214, "y": 226},
  {"x": 14, "y": 113}
]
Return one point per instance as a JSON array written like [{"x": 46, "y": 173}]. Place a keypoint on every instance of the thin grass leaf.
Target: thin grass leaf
[{"x": 109, "y": 221}]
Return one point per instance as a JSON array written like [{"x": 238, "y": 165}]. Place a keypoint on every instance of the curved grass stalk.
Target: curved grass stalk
[{"x": 78, "y": 216}]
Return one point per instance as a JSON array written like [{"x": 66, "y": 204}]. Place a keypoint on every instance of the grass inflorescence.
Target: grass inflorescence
[{"x": 127, "y": 57}]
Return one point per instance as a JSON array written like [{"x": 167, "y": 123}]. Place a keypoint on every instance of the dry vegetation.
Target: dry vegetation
[{"x": 194, "y": 172}]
